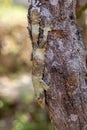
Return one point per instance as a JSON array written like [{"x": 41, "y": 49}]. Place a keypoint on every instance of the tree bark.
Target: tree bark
[{"x": 65, "y": 63}]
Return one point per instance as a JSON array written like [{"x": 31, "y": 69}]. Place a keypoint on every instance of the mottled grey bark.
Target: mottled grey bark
[{"x": 65, "y": 63}]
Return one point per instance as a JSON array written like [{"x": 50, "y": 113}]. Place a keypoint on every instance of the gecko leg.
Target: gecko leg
[{"x": 44, "y": 85}]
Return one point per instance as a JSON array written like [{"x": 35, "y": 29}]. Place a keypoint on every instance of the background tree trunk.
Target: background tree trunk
[{"x": 65, "y": 63}]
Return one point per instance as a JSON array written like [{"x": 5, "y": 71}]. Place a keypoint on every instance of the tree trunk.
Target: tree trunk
[{"x": 65, "y": 62}]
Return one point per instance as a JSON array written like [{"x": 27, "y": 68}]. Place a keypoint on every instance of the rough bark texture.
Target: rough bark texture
[{"x": 65, "y": 65}]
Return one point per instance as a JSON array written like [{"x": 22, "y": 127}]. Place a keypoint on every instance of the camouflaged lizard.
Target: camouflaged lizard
[{"x": 38, "y": 34}]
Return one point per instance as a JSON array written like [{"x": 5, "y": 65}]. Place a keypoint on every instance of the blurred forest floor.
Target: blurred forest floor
[{"x": 18, "y": 110}]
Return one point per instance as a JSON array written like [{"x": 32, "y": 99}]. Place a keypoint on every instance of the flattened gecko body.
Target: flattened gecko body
[{"x": 38, "y": 35}]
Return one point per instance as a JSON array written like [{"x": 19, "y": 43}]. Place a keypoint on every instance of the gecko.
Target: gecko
[{"x": 38, "y": 52}]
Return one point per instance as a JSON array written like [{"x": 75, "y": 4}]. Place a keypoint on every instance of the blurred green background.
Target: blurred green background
[{"x": 18, "y": 110}]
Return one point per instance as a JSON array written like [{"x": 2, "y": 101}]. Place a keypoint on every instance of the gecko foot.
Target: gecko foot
[{"x": 44, "y": 85}]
